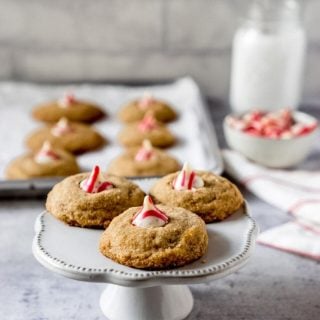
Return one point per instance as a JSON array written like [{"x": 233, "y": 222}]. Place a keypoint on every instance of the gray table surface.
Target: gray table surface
[{"x": 273, "y": 285}]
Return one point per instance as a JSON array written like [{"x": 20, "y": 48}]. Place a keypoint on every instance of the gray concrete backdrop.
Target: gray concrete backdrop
[{"x": 42, "y": 40}]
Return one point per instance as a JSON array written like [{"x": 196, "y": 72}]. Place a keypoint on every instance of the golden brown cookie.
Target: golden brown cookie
[
  {"x": 133, "y": 134},
  {"x": 68, "y": 107},
  {"x": 69, "y": 202},
  {"x": 71, "y": 136},
  {"x": 136, "y": 110},
  {"x": 181, "y": 240},
  {"x": 143, "y": 161},
  {"x": 45, "y": 163},
  {"x": 213, "y": 198}
]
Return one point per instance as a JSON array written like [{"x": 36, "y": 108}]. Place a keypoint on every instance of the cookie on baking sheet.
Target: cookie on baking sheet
[
  {"x": 47, "y": 162},
  {"x": 135, "y": 110},
  {"x": 151, "y": 237},
  {"x": 92, "y": 199},
  {"x": 71, "y": 136},
  {"x": 143, "y": 161},
  {"x": 68, "y": 107},
  {"x": 133, "y": 134},
  {"x": 212, "y": 197}
]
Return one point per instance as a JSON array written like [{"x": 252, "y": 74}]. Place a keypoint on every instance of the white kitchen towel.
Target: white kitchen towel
[{"x": 296, "y": 192}]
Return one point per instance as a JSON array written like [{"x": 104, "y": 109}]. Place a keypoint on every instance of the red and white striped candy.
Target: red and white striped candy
[
  {"x": 148, "y": 123},
  {"x": 145, "y": 152},
  {"x": 95, "y": 182},
  {"x": 276, "y": 125},
  {"x": 146, "y": 101},
  {"x": 299, "y": 129},
  {"x": 149, "y": 216},
  {"x": 62, "y": 128},
  {"x": 187, "y": 179},
  {"x": 46, "y": 154},
  {"x": 254, "y": 115},
  {"x": 236, "y": 123},
  {"x": 67, "y": 100}
]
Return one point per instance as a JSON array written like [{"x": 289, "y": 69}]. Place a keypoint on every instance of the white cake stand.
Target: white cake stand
[{"x": 134, "y": 294}]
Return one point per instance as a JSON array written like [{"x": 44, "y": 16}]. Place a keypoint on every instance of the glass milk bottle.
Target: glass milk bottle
[{"x": 268, "y": 57}]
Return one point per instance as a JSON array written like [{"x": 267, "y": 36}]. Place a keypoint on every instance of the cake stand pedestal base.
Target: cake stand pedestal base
[
  {"x": 169, "y": 302},
  {"x": 135, "y": 294}
]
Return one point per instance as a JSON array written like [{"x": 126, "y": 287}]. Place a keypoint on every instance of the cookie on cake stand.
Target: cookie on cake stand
[
  {"x": 68, "y": 107},
  {"x": 155, "y": 237},
  {"x": 136, "y": 294},
  {"x": 93, "y": 199},
  {"x": 210, "y": 196}
]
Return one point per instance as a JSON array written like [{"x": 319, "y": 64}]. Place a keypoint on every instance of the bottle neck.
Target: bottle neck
[{"x": 274, "y": 15}]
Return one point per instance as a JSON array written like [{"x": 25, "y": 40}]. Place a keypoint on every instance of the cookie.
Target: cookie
[
  {"x": 143, "y": 161},
  {"x": 152, "y": 237},
  {"x": 68, "y": 107},
  {"x": 135, "y": 110},
  {"x": 92, "y": 200},
  {"x": 71, "y": 136},
  {"x": 47, "y": 162},
  {"x": 133, "y": 134},
  {"x": 212, "y": 197}
]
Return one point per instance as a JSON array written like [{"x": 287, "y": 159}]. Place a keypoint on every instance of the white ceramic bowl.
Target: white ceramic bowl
[{"x": 275, "y": 153}]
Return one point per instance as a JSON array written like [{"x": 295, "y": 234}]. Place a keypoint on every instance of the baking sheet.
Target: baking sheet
[{"x": 197, "y": 142}]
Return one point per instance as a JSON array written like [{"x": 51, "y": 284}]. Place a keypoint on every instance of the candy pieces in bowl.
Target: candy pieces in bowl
[{"x": 278, "y": 139}]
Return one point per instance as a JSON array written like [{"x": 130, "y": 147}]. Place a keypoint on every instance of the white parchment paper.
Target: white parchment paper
[{"x": 196, "y": 138}]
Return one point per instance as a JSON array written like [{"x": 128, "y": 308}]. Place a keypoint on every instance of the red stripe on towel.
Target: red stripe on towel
[
  {"x": 279, "y": 181},
  {"x": 292, "y": 210},
  {"x": 300, "y": 253},
  {"x": 308, "y": 227}
]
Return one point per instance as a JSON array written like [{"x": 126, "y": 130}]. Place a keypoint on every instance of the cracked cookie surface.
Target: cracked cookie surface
[
  {"x": 182, "y": 240},
  {"x": 69, "y": 203},
  {"x": 215, "y": 201}
]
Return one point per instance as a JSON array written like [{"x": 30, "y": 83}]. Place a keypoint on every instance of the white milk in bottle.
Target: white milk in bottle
[{"x": 268, "y": 57}]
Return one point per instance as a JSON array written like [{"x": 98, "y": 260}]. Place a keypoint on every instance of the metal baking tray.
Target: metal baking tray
[{"x": 197, "y": 141}]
